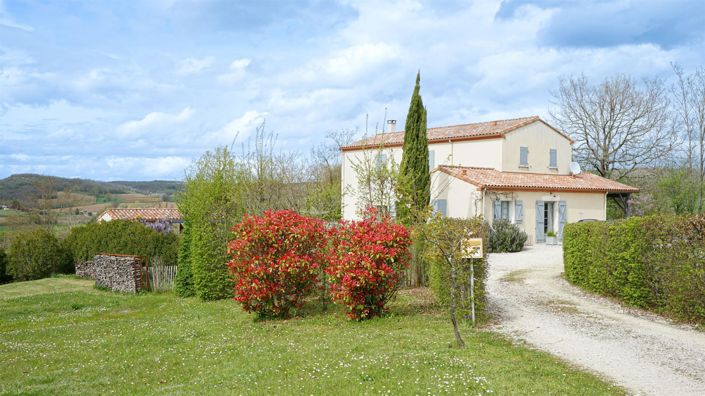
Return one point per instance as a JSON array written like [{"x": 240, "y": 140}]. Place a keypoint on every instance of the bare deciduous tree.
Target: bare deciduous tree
[
  {"x": 376, "y": 172},
  {"x": 324, "y": 193},
  {"x": 689, "y": 116},
  {"x": 619, "y": 126}
]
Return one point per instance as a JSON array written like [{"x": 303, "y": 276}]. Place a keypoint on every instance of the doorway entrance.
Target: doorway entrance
[{"x": 548, "y": 217}]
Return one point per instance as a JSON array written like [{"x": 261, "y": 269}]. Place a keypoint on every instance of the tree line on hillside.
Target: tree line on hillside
[{"x": 30, "y": 191}]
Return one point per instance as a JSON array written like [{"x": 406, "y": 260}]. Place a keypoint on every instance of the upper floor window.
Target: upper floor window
[
  {"x": 431, "y": 160},
  {"x": 523, "y": 156},
  {"x": 553, "y": 158}
]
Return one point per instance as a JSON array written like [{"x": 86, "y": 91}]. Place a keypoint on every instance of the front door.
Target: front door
[{"x": 548, "y": 217}]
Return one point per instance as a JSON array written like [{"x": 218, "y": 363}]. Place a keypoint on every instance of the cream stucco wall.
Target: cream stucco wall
[
  {"x": 539, "y": 138},
  {"x": 463, "y": 199},
  {"x": 349, "y": 177},
  {"x": 483, "y": 153},
  {"x": 579, "y": 206}
]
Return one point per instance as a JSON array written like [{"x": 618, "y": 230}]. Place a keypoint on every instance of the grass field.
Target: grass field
[{"x": 62, "y": 336}]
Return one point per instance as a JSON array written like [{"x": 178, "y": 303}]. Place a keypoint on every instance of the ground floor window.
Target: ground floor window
[{"x": 504, "y": 212}]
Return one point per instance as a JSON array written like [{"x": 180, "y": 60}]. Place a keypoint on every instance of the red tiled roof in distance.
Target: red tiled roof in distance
[
  {"x": 479, "y": 130},
  {"x": 149, "y": 214},
  {"x": 492, "y": 179}
]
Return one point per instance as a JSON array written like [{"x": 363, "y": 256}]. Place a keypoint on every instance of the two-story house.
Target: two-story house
[{"x": 517, "y": 169}]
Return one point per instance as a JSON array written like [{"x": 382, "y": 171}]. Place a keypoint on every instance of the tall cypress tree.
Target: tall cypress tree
[{"x": 414, "y": 178}]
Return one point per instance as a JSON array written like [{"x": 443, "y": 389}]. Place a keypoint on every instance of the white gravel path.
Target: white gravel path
[{"x": 643, "y": 353}]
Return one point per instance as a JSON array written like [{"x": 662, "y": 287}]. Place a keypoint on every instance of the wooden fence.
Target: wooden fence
[{"x": 161, "y": 277}]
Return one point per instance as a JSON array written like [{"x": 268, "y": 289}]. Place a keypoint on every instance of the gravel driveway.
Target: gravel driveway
[{"x": 641, "y": 352}]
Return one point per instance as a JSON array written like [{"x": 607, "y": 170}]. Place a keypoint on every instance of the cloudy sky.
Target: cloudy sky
[{"x": 137, "y": 90}]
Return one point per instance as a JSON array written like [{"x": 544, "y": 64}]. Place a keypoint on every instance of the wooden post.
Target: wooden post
[{"x": 472, "y": 290}]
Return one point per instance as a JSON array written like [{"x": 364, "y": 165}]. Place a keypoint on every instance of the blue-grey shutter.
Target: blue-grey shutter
[
  {"x": 497, "y": 210},
  {"x": 381, "y": 160},
  {"x": 540, "y": 236},
  {"x": 518, "y": 211},
  {"x": 523, "y": 156},
  {"x": 553, "y": 158},
  {"x": 562, "y": 218},
  {"x": 441, "y": 206},
  {"x": 431, "y": 160}
]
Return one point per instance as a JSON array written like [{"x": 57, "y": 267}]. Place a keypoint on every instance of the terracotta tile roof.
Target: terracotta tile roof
[
  {"x": 149, "y": 214},
  {"x": 479, "y": 130},
  {"x": 492, "y": 179}
]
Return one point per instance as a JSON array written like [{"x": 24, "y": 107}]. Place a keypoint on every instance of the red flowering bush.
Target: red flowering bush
[
  {"x": 275, "y": 261},
  {"x": 366, "y": 263}
]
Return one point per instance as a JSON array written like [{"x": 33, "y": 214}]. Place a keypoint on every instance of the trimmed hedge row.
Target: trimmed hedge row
[
  {"x": 121, "y": 237},
  {"x": 656, "y": 262},
  {"x": 37, "y": 254},
  {"x": 4, "y": 276},
  {"x": 183, "y": 285}
]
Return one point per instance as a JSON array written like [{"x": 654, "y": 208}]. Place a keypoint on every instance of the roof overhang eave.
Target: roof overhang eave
[
  {"x": 357, "y": 147},
  {"x": 558, "y": 189}
]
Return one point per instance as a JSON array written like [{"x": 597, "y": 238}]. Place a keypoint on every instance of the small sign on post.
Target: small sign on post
[{"x": 472, "y": 248}]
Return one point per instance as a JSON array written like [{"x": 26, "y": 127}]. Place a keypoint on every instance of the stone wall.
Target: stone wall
[
  {"x": 118, "y": 273},
  {"x": 85, "y": 269}
]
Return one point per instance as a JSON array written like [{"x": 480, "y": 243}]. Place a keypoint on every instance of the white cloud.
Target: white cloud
[
  {"x": 20, "y": 157},
  {"x": 236, "y": 71},
  {"x": 9, "y": 22},
  {"x": 190, "y": 66},
  {"x": 154, "y": 167},
  {"x": 475, "y": 65},
  {"x": 239, "y": 128},
  {"x": 154, "y": 122},
  {"x": 4, "y": 22}
]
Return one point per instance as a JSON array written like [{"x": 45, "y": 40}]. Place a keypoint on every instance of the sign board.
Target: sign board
[{"x": 473, "y": 248}]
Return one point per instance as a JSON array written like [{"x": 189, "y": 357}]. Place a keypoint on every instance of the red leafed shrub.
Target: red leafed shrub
[
  {"x": 275, "y": 261},
  {"x": 366, "y": 262}
]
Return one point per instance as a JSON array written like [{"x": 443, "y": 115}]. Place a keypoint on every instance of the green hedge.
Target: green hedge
[
  {"x": 121, "y": 237},
  {"x": 37, "y": 254},
  {"x": 655, "y": 262},
  {"x": 183, "y": 286},
  {"x": 439, "y": 272},
  {"x": 4, "y": 276},
  {"x": 211, "y": 279}
]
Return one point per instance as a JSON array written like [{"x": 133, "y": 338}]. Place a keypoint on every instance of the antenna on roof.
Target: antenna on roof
[
  {"x": 575, "y": 168},
  {"x": 385, "y": 119}
]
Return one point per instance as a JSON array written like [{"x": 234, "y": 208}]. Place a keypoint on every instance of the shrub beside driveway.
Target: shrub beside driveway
[{"x": 654, "y": 262}]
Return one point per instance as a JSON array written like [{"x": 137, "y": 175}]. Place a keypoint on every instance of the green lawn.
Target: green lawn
[{"x": 62, "y": 336}]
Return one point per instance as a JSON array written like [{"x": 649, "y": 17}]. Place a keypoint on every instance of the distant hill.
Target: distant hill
[
  {"x": 164, "y": 187},
  {"x": 27, "y": 188}
]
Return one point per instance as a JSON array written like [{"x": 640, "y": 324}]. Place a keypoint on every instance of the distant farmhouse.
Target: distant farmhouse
[
  {"x": 148, "y": 216},
  {"x": 518, "y": 169}
]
